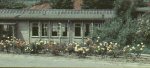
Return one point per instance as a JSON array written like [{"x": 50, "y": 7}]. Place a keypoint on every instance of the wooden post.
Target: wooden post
[
  {"x": 68, "y": 30},
  {"x": 92, "y": 30},
  {"x": 13, "y": 32},
  {"x": 60, "y": 32},
  {"x": 30, "y": 33},
  {"x": 49, "y": 30},
  {"x": 82, "y": 28}
]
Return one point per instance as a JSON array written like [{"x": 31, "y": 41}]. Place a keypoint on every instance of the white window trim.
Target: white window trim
[{"x": 41, "y": 29}]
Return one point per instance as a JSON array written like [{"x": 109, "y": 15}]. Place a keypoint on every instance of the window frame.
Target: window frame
[
  {"x": 85, "y": 29},
  {"x": 56, "y": 23},
  {"x": 80, "y": 30},
  {"x": 38, "y": 25},
  {"x": 41, "y": 28},
  {"x": 66, "y": 29}
]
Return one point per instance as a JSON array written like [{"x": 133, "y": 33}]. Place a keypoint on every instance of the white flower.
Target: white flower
[
  {"x": 133, "y": 47},
  {"x": 96, "y": 40},
  {"x": 37, "y": 43},
  {"x": 70, "y": 43},
  {"x": 98, "y": 37},
  {"x": 116, "y": 43},
  {"x": 111, "y": 43},
  {"x": 103, "y": 48},
  {"x": 138, "y": 45},
  {"x": 100, "y": 44},
  {"x": 109, "y": 50},
  {"x": 130, "y": 49},
  {"x": 55, "y": 43},
  {"x": 41, "y": 41},
  {"x": 76, "y": 43},
  {"x": 142, "y": 43},
  {"x": 141, "y": 49}
]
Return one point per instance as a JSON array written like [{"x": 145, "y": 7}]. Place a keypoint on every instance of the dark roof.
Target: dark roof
[{"x": 56, "y": 14}]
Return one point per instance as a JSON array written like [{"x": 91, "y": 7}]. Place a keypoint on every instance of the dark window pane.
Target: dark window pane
[
  {"x": 54, "y": 33},
  {"x": 55, "y": 29},
  {"x": 77, "y": 29},
  {"x": 35, "y": 29},
  {"x": 87, "y": 29},
  {"x": 65, "y": 32}
]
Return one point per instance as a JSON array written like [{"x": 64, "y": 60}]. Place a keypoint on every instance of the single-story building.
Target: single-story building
[{"x": 61, "y": 25}]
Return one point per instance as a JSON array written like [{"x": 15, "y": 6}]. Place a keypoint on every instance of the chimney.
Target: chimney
[{"x": 77, "y": 4}]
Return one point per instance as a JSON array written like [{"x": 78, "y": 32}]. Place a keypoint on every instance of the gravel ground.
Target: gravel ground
[{"x": 13, "y": 60}]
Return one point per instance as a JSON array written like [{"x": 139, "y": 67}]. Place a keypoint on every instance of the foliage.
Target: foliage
[
  {"x": 123, "y": 28},
  {"x": 143, "y": 32},
  {"x": 98, "y": 4},
  {"x": 63, "y": 4},
  {"x": 11, "y": 5}
]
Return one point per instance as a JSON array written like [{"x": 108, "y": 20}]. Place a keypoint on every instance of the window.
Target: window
[
  {"x": 6, "y": 30},
  {"x": 44, "y": 30},
  {"x": 64, "y": 29},
  {"x": 87, "y": 29},
  {"x": 35, "y": 29},
  {"x": 97, "y": 25},
  {"x": 55, "y": 29},
  {"x": 77, "y": 29}
]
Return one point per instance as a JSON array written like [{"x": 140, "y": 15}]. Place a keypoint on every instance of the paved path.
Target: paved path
[{"x": 11, "y": 60}]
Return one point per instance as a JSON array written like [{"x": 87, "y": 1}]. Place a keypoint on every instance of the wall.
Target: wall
[{"x": 23, "y": 30}]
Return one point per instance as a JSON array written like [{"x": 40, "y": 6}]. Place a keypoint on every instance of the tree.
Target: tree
[
  {"x": 63, "y": 4},
  {"x": 98, "y": 4},
  {"x": 4, "y": 4},
  {"x": 143, "y": 31},
  {"x": 121, "y": 29}
]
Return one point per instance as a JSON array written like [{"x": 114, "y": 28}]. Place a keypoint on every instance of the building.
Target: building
[
  {"x": 61, "y": 25},
  {"x": 144, "y": 9}
]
